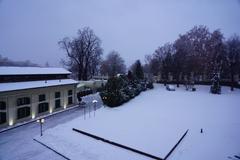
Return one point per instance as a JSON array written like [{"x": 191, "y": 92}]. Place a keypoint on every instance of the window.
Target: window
[
  {"x": 23, "y": 112},
  {"x": 57, "y": 94},
  {"x": 3, "y": 114},
  {"x": 57, "y": 103},
  {"x": 41, "y": 97},
  {"x": 23, "y": 101},
  {"x": 3, "y": 117},
  {"x": 43, "y": 107},
  {"x": 57, "y": 100},
  {"x": 2, "y": 105},
  {"x": 69, "y": 92},
  {"x": 70, "y": 101}
]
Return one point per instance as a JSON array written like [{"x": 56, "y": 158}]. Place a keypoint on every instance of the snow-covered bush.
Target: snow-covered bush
[
  {"x": 149, "y": 85},
  {"x": 121, "y": 89},
  {"x": 112, "y": 99}
]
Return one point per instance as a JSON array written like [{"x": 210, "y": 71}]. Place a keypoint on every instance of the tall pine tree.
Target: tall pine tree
[{"x": 138, "y": 70}]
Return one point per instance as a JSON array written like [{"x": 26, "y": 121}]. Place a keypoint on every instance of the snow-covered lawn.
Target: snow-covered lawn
[{"x": 153, "y": 122}]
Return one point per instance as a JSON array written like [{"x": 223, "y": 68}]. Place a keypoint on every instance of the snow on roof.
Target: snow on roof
[
  {"x": 4, "y": 87},
  {"x": 31, "y": 70}
]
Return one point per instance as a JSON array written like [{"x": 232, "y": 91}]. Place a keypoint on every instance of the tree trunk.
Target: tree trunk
[
  {"x": 80, "y": 73},
  {"x": 177, "y": 83},
  {"x": 232, "y": 82},
  {"x": 85, "y": 73},
  {"x": 232, "y": 77},
  {"x": 177, "y": 78}
]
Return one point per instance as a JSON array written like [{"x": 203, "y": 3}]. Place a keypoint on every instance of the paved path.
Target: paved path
[{"x": 18, "y": 143}]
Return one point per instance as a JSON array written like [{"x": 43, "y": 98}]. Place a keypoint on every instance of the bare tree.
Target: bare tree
[
  {"x": 114, "y": 64},
  {"x": 197, "y": 40},
  {"x": 164, "y": 57},
  {"x": 180, "y": 57},
  {"x": 83, "y": 53},
  {"x": 152, "y": 65},
  {"x": 233, "y": 57},
  {"x": 216, "y": 57},
  {"x": 197, "y": 53}
]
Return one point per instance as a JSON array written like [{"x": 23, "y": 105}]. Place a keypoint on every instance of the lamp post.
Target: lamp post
[
  {"x": 94, "y": 105},
  {"x": 41, "y": 121},
  {"x": 89, "y": 111},
  {"x": 84, "y": 112}
]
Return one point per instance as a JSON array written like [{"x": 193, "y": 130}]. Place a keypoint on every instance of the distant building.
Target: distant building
[{"x": 30, "y": 92}]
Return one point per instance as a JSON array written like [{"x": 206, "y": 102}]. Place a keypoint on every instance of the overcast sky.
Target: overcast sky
[{"x": 30, "y": 29}]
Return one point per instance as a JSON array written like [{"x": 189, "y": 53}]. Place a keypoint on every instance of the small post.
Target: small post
[
  {"x": 89, "y": 111},
  {"x": 94, "y": 105},
  {"x": 104, "y": 99},
  {"x": 201, "y": 130},
  {"x": 41, "y": 128},
  {"x": 41, "y": 121}
]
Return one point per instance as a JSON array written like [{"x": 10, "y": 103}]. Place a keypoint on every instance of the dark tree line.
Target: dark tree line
[
  {"x": 4, "y": 61},
  {"x": 198, "y": 55}
]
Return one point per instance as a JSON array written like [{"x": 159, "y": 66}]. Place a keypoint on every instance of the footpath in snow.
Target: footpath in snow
[{"x": 153, "y": 122}]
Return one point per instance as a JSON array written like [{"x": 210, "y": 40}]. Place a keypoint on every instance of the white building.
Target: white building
[{"x": 30, "y": 92}]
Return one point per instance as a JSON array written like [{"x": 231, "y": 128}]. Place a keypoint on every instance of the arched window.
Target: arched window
[
  {"x": 23, "y": 112},
  {"x": 43, "y": 107},
  {"x": 2, "y": 105}
]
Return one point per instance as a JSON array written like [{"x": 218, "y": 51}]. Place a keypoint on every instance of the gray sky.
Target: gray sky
[{"x": 30, "y": 29}]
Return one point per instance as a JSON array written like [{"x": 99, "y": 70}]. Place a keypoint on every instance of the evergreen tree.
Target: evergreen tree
[
  {"x": 130, "y": 76},
  {"x": 138, "y": 70},
  {"x": 120, "y": 89},
  {"x": 216, "y": 87}
]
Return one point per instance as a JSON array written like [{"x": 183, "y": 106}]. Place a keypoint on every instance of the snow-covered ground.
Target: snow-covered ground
[{"x": 153, "y": 122}]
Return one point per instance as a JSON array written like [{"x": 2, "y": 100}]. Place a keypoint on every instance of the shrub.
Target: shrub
[
  {"x": 149, "y": 85},
  {"x": 216, "y": 87},
  {"x": 121, "y": 89}
]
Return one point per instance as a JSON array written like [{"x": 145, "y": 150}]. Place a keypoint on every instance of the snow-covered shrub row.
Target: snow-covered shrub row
[{"x": 121, "y": 89}]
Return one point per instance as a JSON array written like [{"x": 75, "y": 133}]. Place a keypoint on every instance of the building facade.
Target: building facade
[{"x": 30, "y": 92}]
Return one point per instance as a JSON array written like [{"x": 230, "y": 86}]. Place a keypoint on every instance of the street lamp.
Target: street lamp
[
  {"x": 41, "y": 121},
  {"x": 94, "y": 105}
]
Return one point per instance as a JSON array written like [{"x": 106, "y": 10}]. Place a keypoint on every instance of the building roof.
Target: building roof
[
  {"x": 4, "y": 87},
  {"x": 31, "y": 70}
]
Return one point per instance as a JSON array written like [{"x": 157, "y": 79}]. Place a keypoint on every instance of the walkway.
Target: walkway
[{"x": 18, "y": 143}]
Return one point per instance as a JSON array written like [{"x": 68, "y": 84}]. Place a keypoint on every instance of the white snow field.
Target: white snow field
[{"x": 153, "y": 122}]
